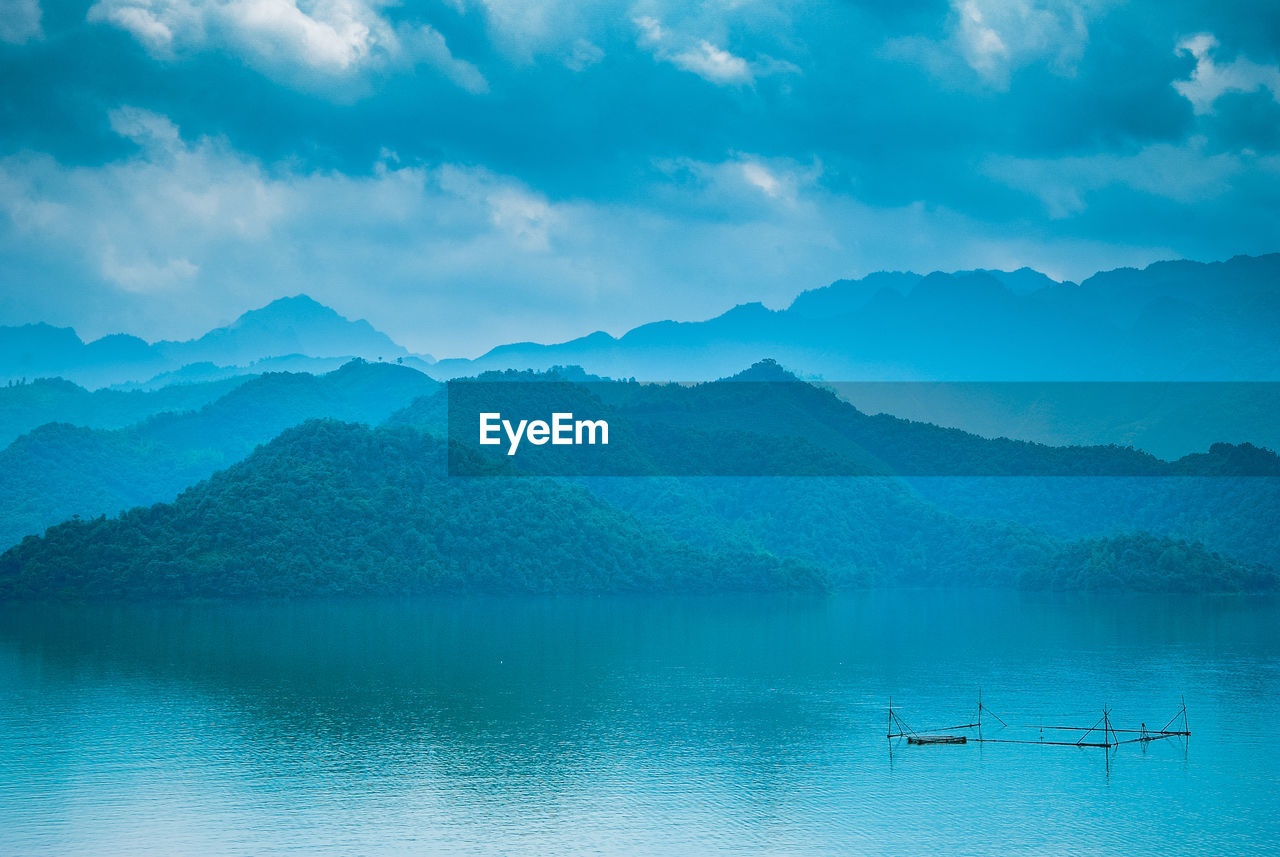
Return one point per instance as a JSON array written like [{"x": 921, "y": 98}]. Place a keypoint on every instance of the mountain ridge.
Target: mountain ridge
[
  {"x": 285, "y": 327},
  {"x": 330, "y": 508},
  {"x": 1172, "y": 320},
  {"x": 58, "y": 470}
]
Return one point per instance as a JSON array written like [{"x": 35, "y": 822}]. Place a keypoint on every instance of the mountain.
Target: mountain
[
  {"x": 733, "y": 429},
  {"x": 330, "y": 508},
  {"x": 24, "y": 406},
  {"x": 1023, "y": 281},
  {"x": 1233, "y": 516},
  {"x": 765, "y": 421},
  {"x": 1170, "y": 321},
  {"x": 193, "y": 373},
  {"x": 1178, "y": 320},
  {"x": 335, "y": 509},
  {"x": 1168, "y": 419},
  {"x": 296, "y": 325},
  {"x": 286, "y": 328},
  {"x": 58, "y": 471},
  {"x": 41, "y": 350}
]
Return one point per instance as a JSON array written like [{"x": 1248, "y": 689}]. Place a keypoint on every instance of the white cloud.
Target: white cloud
[
  {"x": 141, "y": 22},
  {"x": 998, "y": 36},
  {"x": 758, "y": 175},
  {"x": 429, "y": 46},
  {"x": 704, "y": 58},
  {"x": 19, "y": 21},
  {"x": 982, "y": 46},
  {"x": 651, "y": 32},
  {"x": 324, "y": 40},
  {"x": 781, "y": 180},
  {"x": 513, "y": 210},
  {"x": 1209, "y": 80},
  {"x": 567, "y": 31},
  {"x": 144, "y": 275},
  {"x": 583, "y": 54},
  {"x": 742, "y": 188},
  {"x": 714, "y": 64},
  {"x": 145, "y": 128},
  {"x": 140, "y": 222},
  {"x": 1181, "y": 173},
  {"x": 994, "y": 38},
  {"x": 185, "y": 233},
  {"x": 191, "y": 225}
]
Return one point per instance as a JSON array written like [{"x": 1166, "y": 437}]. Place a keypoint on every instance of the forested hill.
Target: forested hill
[
  {"x": 764, "y": 421},
  {"x": 331, "y": 508},
  {"x": 57, "y": 471},
  {"x": 28, "y": 405}
]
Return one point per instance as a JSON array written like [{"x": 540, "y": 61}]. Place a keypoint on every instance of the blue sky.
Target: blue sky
[{"x": 469, "y": 173}]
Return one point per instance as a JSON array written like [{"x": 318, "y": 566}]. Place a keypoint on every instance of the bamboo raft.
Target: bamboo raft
[
  {"x": 1101, "y": 734},
  {"x": 937, "y": 739}
]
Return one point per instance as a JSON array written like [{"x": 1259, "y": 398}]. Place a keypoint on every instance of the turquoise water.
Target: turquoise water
[{"x": 634, "y": 726}]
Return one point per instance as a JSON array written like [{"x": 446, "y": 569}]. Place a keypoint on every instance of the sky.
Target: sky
[{"x": 464, "y": 174}]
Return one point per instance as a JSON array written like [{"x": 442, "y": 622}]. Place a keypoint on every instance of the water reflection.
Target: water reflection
[{"x": 630, "y": 725}]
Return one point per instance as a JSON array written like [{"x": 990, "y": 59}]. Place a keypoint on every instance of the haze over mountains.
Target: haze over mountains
[
  {"x": 338, "y": 508},
  {"x": 332, "y": 508},
  {"x": 58, "y": 470},
  {"x": 1170, "y": 321},
  {"x": 289, "y": 334}
]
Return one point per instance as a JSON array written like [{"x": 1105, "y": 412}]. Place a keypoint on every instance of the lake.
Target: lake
[{"x": 744, "y": 725}]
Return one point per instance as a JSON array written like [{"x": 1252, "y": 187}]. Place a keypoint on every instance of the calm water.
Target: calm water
[{"x": 690, "y": 726}]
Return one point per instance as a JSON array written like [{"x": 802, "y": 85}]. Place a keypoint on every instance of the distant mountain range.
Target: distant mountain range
[
  {"x": 1177, "y": 320},
  {"x": 294, "y": 333},
  {"x": 1170, "y": 321}
]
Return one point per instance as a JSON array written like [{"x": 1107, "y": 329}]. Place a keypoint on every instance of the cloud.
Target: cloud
[
  {"x": 651, "y": 32},
  {"x": 1184, "y": 174},
  {"x": 760, "y": 176},
  {"x": 334, "y": 37},
  {"x": 573, "y": 33},
  {"x": 20, "y": 21},
  {"x": 138, "y": 223},
  {"x": 713, "y": 64},
  {"x": 703, "y": 58},
  {"x": 149, "y": 130},
  {"x": 639, "y": 158},
  {"x": 994, "y": 38},
  {"x": 980, "y": 43},
  {"x": 583, "y": 54},
  {"x": 1209, "y": 80},
  {"x": 742, "y": 188},
  {"x": 328, "y": 40},
  {"x": 526, "y": 218},
  {"x": 185, "y": 232},
  {"x": 187, "y": 227},
  {"x": 146, "y": 275},
  {"x": 428, "y": 46}
]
